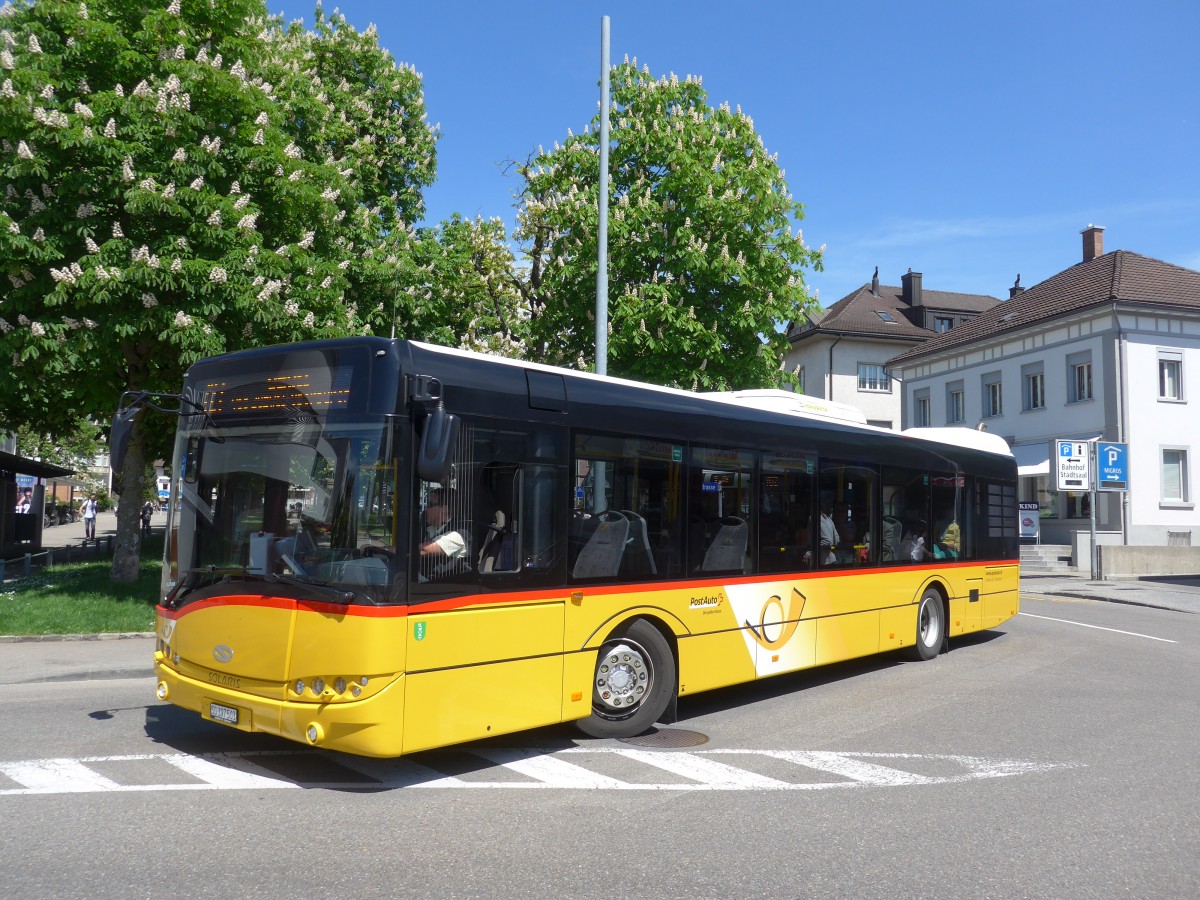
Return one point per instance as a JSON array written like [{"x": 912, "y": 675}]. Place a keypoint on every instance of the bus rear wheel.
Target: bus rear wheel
[
  {"x": 931, "y": 626},
  {"x": 633, "y": 682}
]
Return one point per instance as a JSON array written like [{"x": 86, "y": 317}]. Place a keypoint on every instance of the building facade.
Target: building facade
[
  {"x": 842, "y": 355},
  {"x": 1108, "y": 349}
]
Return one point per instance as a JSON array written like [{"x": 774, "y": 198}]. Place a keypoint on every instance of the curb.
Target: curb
[{"x": 46, "y": 638}]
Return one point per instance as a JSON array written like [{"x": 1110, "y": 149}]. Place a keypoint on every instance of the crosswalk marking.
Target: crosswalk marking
[
  {"x": 563, "y": 769},
  {"x": 56, "y": 776}
]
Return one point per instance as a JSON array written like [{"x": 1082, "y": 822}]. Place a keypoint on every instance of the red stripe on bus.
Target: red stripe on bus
[{"x": 498, "y": 599}]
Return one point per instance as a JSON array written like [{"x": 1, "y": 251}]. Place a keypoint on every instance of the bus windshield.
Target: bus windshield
[{"x": 302, "y": 502}]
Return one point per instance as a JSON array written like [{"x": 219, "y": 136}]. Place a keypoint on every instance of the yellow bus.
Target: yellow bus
[{"x": 380, "y": 546}]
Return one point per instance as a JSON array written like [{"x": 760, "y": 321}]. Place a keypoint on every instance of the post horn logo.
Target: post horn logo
[
  {"x": 778, "y": 617},
  {"x": 222, "y": 653}
]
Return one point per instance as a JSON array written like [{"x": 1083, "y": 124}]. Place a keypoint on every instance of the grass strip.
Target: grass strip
[{"x": 79, "y": 598}]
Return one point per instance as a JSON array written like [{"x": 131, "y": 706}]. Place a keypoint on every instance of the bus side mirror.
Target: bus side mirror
[
  {"x": 438, "y": 441},
  {"x": 118, "y": 438}
]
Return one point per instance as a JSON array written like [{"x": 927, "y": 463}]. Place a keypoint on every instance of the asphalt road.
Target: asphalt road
[{"x": 1054, "y": 757}]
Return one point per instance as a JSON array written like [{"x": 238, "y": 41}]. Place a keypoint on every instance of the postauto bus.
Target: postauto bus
[{"x": 380, "y": 546}]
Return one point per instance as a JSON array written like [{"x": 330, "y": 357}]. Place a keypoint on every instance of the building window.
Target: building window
[
  {"x": 1175, "y": 475},
  {"x": 956, "y": 407},
  {"x": 1080, "y": 372},
  {"x": 800, "y": 380},
  {"x": 921, "y": 410},
  {"x": 872, "y": 377},
  {"x": 1170, "y": 375},
  {"x": 993, "y": 401},
  {"x": 1035, "y": 390},
  {"x": 942, "y": 324}
]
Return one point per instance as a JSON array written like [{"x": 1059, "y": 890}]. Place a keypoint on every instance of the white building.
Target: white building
[
  {"x": 842, "y": 355},
  {"x": 1108, "y": 349}
]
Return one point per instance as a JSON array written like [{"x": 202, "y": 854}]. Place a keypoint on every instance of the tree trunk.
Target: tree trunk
[{"x": 127, "y": 555}]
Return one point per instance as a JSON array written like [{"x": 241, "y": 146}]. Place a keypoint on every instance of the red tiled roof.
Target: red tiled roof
[{"x": 1117, "y": 276}]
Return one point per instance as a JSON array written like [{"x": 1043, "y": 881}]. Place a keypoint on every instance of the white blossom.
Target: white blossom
[
  {"x": 38, "y": 329},
  {"x": 197, "y": 184},
  {"x": 110, "y": 128},
  {"x": 180, "y": 156},
  {"x": 6, "y": 90},
  {"x": 259, "y": 140},
  {"x": 88, "y": 323},
  {"x": 291, "y": 151},
  {"x": 149, "y": 301},
  {"x": 215, "y": 218},
  {"x": 307, "y": 240},
  {"x": 39, "y": 235},
  {"x": 173, "y": 9},
  {"x": 262, "y": 119},
  {"x": 6, "y": 59},
  {"x": 182, "y": 319},
  {"x": 5, "y": 328},
  {"x": 23, "y": 151},
  {"x": 291, "y": 308},
  {"x": 116, "y": 231},
  {"x": 246, "y": 222},
  {"x": 34, "y": 46},
  {"x": 218, "y": 275},
  {"x": 309, "y": 319},
  {"x": 238, "y": 69}
]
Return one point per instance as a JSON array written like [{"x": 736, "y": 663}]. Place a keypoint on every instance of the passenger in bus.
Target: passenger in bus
[
  {"x": 829, "y": 535},
  {"x": 947, "y": 546},
  {"x": 915, "y": 547}
]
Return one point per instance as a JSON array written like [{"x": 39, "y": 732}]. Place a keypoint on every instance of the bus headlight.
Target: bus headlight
[
  {"x": 161, "y": 691},
  {"x": 314, "y": 733}
]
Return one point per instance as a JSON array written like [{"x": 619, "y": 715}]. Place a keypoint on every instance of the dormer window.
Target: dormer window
[{"x": 942, "y": 324}]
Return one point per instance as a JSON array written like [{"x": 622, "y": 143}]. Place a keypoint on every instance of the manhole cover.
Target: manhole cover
[{"x": 669, "y": 738}]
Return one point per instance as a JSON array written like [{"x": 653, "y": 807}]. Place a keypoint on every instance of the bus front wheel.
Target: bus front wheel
[
  {"x": 931, "y": 626},
  {"x": 633, "y": 682}
]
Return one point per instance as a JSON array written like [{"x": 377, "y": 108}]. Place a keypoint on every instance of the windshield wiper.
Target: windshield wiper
[
  {"x": 320, "y": 587},
  {"x": 190, "y": 579}
]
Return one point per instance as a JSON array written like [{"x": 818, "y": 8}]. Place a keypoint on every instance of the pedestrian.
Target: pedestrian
[
  {"x": 147, "y": 513},
  {"x": 89, "y": 518}
]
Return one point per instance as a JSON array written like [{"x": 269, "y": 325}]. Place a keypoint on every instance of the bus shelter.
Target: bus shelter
[{"x": 21, "y": 533}]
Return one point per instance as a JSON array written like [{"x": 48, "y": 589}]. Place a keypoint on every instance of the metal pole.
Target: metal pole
[
  {"x": 602, "y": 235},
  {"x": 1095, "y": 477}
]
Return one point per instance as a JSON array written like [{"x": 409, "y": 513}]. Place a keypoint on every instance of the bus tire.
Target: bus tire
[
  {"x": 633, "y": 683},
  {"x": 931, "y": 626}
]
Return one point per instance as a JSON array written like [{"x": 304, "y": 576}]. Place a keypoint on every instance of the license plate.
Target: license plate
[{"x": 226, "y": 714}]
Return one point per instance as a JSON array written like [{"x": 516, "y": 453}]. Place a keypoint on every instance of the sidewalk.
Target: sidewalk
[
  {"x": 1180, "y": 593},
  {"x": 59, "y": 538}
]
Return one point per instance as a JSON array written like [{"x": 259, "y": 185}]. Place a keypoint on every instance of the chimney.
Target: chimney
[
  {"x": 911, "y": 288},
  {"x": 1016, "y": 288},
  {"x": 1093, "y": 242},
  {"x": 875, "y": 282}
]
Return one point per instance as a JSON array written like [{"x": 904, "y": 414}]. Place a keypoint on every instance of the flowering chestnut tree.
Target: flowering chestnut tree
[
  {"x": 703, "y": 262},
  {"x": 187, "y": 178}
]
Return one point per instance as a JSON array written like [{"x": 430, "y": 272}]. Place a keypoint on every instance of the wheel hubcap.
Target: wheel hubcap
[
  {"x": 623, "y": 677},
  {"x": 930, "y": 630}
]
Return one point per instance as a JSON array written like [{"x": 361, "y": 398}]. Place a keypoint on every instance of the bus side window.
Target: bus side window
[{"x": 785, "y": 512}]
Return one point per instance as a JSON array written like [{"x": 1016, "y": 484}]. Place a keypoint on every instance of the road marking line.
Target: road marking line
[
  {"x": 1148, "y": 637},
  {"x": 549, "y": 771},
  {"x": 231, "y": 773},
  {"x": 236, "y": 771},
  {"x": 56, "y": 776},
  {"x": 710, "y": 774},
  {"x": 854, "y": 769}
]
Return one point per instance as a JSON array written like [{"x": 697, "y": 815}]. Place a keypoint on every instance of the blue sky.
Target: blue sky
[{"x": 968, "y": 141}]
